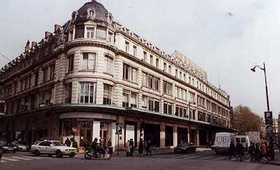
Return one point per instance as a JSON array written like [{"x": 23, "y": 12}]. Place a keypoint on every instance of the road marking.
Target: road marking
[
  {"x": 192, "y": 157},
  {"x": 32, "y": 157},
  {"x": 10, "y": 159},
  {"x": 2, "y": 161},
  {"x": 21, "y": 158},
  {"x": 220, "y": 158},
  {"x": 207, "y": 157}
]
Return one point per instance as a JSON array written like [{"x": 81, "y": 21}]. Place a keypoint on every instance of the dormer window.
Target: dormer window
[{"x": 91, "y": 13}]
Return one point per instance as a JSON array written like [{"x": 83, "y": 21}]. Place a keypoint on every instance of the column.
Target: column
[
  {"x": 175, "y": 136},
  {"x": 197, "y": 137},
  {"x": 162, "y": 135},
  {"x": 96, "y": 130},
  {"x": 138, "y": 135},
  {"x": 189, "y": 132},
  {"x": 113, "y": 135}
]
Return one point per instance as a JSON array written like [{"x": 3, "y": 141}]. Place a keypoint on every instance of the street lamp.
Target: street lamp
[
  {"x": 268, "y": 109},
  {"x": 265, "y": 81}
]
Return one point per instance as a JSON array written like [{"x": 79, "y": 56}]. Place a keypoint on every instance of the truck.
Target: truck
[{"x": 222, "y": 141}]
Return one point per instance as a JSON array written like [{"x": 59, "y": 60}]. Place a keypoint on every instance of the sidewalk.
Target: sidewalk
[
  {"x": 156, "y": 151},
  {"x": 276, "y": 158}
]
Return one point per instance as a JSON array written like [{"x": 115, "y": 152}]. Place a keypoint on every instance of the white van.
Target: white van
[
  {"x": 243, "y": 139},
  {"x": 222, "y": 141}
]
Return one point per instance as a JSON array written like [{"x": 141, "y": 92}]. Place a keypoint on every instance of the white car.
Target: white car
[{"x": 52, "y": 147}]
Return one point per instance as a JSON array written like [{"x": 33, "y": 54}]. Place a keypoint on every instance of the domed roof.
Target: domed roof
[{"x": 91, "y": 11}]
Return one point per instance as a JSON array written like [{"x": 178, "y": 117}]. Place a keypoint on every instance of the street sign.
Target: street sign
[
  {"x": 269, "y": 128},
  {"x": 268, "y": 117},
  {"x": 118, "y": 130}
]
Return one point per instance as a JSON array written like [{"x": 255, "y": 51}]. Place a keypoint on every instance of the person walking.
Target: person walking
[
  {"x": 232, "y": 149},
  {"x": 68, "y": 142},
  {"x": 131, "y": 146},
  {"x": 240, "y": 151},
  {"x": 148, "y": 147},
  {"x": 264, "y": 152},
  {"x": 141, "y": 147},
  {"x": 252, "y": 151},
  {"x": 127, "y": 148},
  {"x": 110, "y": 147}
]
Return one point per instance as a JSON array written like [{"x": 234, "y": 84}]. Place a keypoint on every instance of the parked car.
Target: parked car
[
  {"x": 185, "y": 147},
  {"x": 10, "y": 147},
  {"x": 21, "y": 145},
  {"x": 52, "y": 147}
]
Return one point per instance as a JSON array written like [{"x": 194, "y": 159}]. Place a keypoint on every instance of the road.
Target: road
[{"x": 198, "y": 161}]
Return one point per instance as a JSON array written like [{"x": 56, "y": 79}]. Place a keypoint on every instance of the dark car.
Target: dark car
[
  {"x": 10, "y": 147},
  {"x": 185, "y": 147}
]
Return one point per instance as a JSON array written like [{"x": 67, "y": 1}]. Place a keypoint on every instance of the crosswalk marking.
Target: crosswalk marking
[
  {"x": 21, "y": 158},
  {"x": 32, "y": 157},
  {"x": 2, "y": 161},
  {"x": 191, "y": 157},
  {"x": 9, "y": 159},
  {"x": 207, "y": 157},
  {"x": 221, "y": 158}
]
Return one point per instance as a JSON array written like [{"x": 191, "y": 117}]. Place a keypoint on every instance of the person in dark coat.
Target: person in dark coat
[
  {"x": 131, "y": 145},
  {"x": 232, "y": 150},
  {"x": 239, "y": 151},
  {"x": 252, "y": 151},
  {"x": 110, "y": 147},
  {"x": 68, "y": 142},
  {"x": 148, "y": 147},
  {"x": 141, "y": 147}
]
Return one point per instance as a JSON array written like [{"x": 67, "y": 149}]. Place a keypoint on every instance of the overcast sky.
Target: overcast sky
[{"x": 224, "y": 37}]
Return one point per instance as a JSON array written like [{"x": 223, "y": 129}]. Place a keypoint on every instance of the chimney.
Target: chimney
[
  {"x": 27, "y": 46},
  {"x": 56, "y": 27},
  {"x": 33, "y": 44},
  {"x": 47, "y": 34}
]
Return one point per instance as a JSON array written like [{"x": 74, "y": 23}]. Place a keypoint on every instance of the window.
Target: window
[
  {"x": 129, "y": 73},
  {"x": 127, "y": 47},
  {"x": 176, "y": 73},
  {"x": 164, "y": 67},
  {"x": 153, "y": 105},
  {"x": 89, "y": 61},
  {"x": 110, "y": 37},
  {"x": 36, "y": 78},
  {"x": 145, "y": 56},
  {"x": 71, "y": 35},
  {"x": 70, "y": 63},
  {"x": 167, "y": 108},
  {"x": 109, "y": 65},
  {"x": 101, "y": 33},
  {"x": 144, "y": 102},
  {"x": 107, "y": 94},
  {"x": 157, "y": 62},
  {"x": 133, "y": 99},
  {"x": 151, "y": 60},
  {"x": 90, "y": 32},
  {"x": 167, "y": 88},
  {"x": 169, "y": 69},
  {"x": 192, "y": 97},
  {"x": 134, "y": 51},
  {"x": 52, "y": 72},
  {"x": 150, "y": 81},
  {"x": 45, "y": 75},
  {"x": 68, "y": 93},
  {"x": 87, "y": 93},
  {"x": 125, "y": 102}
]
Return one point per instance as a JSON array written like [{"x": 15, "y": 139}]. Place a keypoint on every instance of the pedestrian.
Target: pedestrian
[
  {"x": 232, "y": 150},
  {"x": 141, "y": 147},
  {"x": 131, "y": 146},
  {"x": 252, "y": 151},
  {"x": 148, "y": 147},
  {"x": 239, "y": 150},
  {"x": 68, "y": 142},
  {"x": 257, "y": 152},
  {"x": 110, "y": 147},
  {"x": 127, "y": 148},
  {"x": 264, "y": 152}
]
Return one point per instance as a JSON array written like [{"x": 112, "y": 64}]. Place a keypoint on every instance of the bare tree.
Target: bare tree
[{"x": 245, "y": 120}]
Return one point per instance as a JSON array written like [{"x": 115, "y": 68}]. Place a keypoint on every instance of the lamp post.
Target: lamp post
[
  {"x": 265, "y": 81},
  {"x": 268, "y": 109}
]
